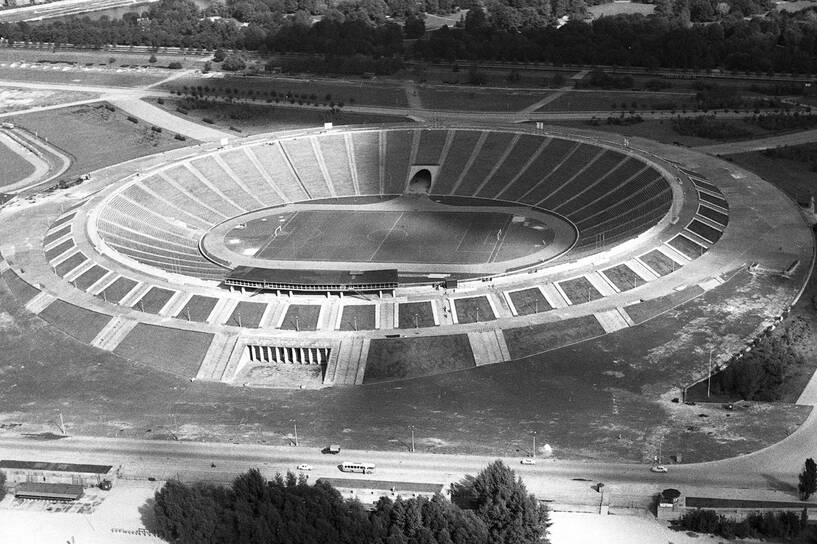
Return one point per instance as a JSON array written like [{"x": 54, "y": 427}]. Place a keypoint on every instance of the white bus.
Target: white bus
[{"x": 365, "y": 468}]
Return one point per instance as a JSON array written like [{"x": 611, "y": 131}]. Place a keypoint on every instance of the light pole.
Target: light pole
[
  {"x": 295, "y": 424},
  {"x": 412, "y": 437},
  {"x": 533, "y": 454},
  {"x": 709, "y": 378}
]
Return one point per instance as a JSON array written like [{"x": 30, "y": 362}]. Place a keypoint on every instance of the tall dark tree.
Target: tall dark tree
[
  {"x": 808, "y": 479},
  {"x": 502, "y": 502}
]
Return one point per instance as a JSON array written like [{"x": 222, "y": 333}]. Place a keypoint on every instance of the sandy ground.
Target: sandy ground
[
  {"x": 638, "y": 528},
  {"x": 23, "y": 99},
  {"x": 116, "y": 520}
]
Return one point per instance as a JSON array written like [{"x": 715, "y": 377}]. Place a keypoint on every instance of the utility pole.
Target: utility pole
[
  {"x": 412, "y": 437},
  {"x": 295, "y": 423},
  {"x": 62, "y": 424},
  {"x": 533, "y": 454},
  {"x": 709, "y": 378}
]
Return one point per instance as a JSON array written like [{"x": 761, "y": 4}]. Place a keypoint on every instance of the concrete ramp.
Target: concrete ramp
[
  {"x": 218, "y": 356},
  {"x": 349, "y": 366},
  {"x": 173, "y": 123},
  {"x": 612, "y": 320},
  {"x": 113, "y": 333},
  {"x": 40, "y": 302},
  {"x": 488, "y": 347}
]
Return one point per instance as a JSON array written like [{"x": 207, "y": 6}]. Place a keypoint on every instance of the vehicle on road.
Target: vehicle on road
[
  {"x": 304, "y": 466},
  {"x": 105, "y": 485},
  {"x": 528, "y": 461},
  {"x": 659, "y": 468},
  {"x": 365, "y": 468},
  {"x": 334, "y": 449}
]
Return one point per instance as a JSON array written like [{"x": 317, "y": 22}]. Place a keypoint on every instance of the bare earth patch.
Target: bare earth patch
[{"x": 12, "y": 99}]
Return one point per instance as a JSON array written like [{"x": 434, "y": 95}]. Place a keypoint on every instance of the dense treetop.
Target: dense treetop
[
  {"x": 288, "y": 510},
  {"x": 701, "y": 34}
]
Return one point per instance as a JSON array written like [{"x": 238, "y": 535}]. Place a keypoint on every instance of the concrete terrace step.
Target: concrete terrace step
[
  {"x": 350, "y": 365},
  {"x": 488, "y": 347},
  {"x": 40, "y": 302},
  {"x": 611, "y": 320},
  {"x": 113, "y": 333},
  {"x": 217, "y": 357}
]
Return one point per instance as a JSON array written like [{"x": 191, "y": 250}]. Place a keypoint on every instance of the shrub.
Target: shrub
[
  {"x": 175, "y": 65},
  {"x": 180, "y": 137},
  {"x": 208, "y": 120},
  {"x": 233, "y": 63},
  {"x": 133, "y": 119}
]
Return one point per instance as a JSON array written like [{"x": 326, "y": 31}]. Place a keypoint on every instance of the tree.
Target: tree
[
  {"x": 808, "y": 479},
  {"x": 2, "y": 485},
  {"x": 152, "y": 59},
  {"x": 219, "y": 55},
  {"x": 502, "y": 502},
  {"x": 233, "y": 63}
]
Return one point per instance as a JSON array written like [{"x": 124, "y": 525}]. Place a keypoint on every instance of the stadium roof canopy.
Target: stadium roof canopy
[{"x": 312, "y": 280}]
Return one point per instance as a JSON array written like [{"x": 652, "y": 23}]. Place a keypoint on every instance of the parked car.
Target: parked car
[
  {"x": 659, "y": 468},
  {"x": 304, "y": 466},
  {"x": 528, "y": 461},
  {"x": 334, "y": 449}
]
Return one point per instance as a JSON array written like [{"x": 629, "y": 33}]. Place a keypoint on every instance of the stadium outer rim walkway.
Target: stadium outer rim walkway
[{"x": 786, "y": 237}]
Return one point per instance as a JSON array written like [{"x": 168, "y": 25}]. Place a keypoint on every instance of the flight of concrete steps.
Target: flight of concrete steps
[
  {"x": 217, "y": 358},
  {"x": 347, "y": 364}
]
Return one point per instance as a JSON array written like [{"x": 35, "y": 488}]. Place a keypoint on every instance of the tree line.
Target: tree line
[
  {"x": 506, "y": 30},
  {"x": 497, "y": 510}
]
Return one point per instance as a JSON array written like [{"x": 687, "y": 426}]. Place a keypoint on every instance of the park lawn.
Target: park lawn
[
  {"x": 529, "y": 301},
  {"x": 198, "y": 308},
  {"x": 477, "y": 99},
  {"x": 360, "y": 93},
  {"x": 400, "y": 358},
  {"x": 301, "y": 317},
  {"x": 97, "y": 58},
  {"x": 64, "y": 73},
  {"x": 659, "y": 130},
  {"x": 14, "y": 167},
  {"x": 14, "y": 99},
  {"x": 358, "y": 317},
  {"x": 579, "y": 290},
  {"x": 252, "y": 119},
  {"x": 473, "y": 310},
  {"x": 413, "y": 315},
  {"x": 793, "y": 177},
  {"x": 154, "y": 300},
  {"x": 620, "y": 8},
  {"x": 96, "y": 137},
  {"x": 617, "y": 101}
]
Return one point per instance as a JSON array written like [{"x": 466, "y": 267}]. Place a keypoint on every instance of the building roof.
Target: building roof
[
  {"x": 54, "y": 467},
  {"x": 41, "y": 490},
  {"x": 318, "y": 279},
  {"x": 384, "y": 485}
]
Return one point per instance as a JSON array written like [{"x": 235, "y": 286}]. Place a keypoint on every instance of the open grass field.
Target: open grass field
[
  {"x": 579, "y": 290},
  {"x": 12, "y": 99},
  {"x": 247, "y": 314},
  {"x": 433, "y": 237},
  {"x": 21, "y": 290},
  {"x": 171, "y": 350},
  {"x": 70, "y": 263},
  {"x": 526, "y": 341},
  {"x": 96, "y": 137},
  {"x": 400, "y": 358},
  {"x": 90, "y": 277},
  {"x": 14, "y": 167},
  {"x": 643, "y": 311},
  {"x": 67, "y": 74},
  {"x": 620, "y": 8},
  {"x": 602, "y": 100},
  {"x": 357, "y": 317},
  {"x": 412, "y": 315},
  {"x": 476, "y": 99},
  {"x": 59, "y": 249},
  {"x": 473, "y": 310},
  {"x": 117, "y": 290},
  {"x": 97, "y": 59},
  {"x": 623, "y": 277},
  {"x": 659, "y": 262},
  {"x": 568, "y": 394},
  {"x": 252, "y": 119},
  {"x": 793, "y": 177},
  {"x": 529, "y": 301},
  {"x": 687, "y": 247},
  {"x": 301, "y": 317},
  {"x": 154, "y": 300},
  {"x": 75, "y": 321},
  {"x": 363, "y": 93},
  {"x": 198, "y": 308}
]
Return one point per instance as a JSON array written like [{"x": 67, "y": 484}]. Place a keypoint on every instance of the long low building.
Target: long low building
[
  {"x": 48, "y": 492},
  {"x": 84, "y": 475}
]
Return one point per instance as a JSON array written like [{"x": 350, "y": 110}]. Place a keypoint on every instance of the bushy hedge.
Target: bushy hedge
[{"x": 766, "y": 525}]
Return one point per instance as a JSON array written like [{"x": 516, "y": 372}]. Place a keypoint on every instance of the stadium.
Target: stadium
[{"x": 345, "y": 256}]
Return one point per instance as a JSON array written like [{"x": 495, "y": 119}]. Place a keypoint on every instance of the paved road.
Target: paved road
[{"x": 795, "y": 138}]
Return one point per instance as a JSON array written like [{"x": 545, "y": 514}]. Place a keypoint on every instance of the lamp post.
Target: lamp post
[
  {"x": 411, "y": 427},
  {"x": 295, "y": 424},
  {"x": 533, "y": 452}
]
